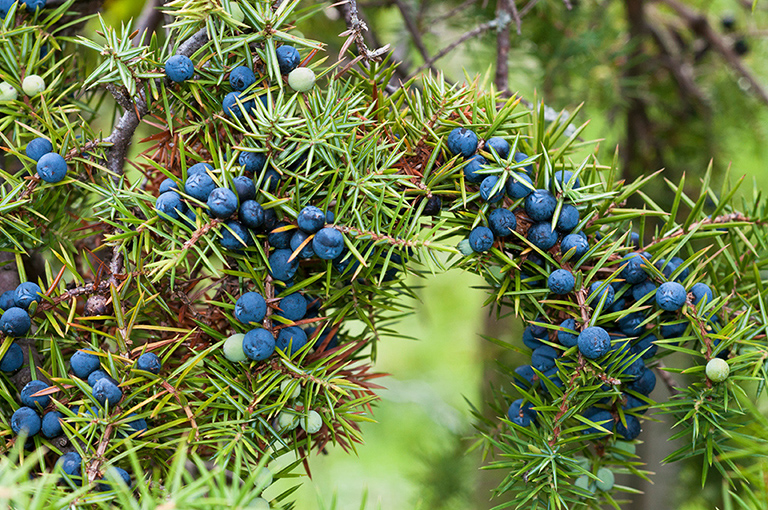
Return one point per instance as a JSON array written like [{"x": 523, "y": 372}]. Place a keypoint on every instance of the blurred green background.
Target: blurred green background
[{"x": 415, "y": 456}]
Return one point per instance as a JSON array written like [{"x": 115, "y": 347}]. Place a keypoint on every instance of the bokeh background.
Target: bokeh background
[{"x": 667, "y": 93}]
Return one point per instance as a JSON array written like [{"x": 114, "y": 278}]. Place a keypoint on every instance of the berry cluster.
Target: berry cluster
[{"x": 51, "y": 167}]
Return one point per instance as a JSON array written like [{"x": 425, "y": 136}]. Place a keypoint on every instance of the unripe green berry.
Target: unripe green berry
[
  {"x": 717, "y": 370},
  {"x": 291, "y": 383},
  {"x": 465, "y": 248},
  {"x": 625, "y": 448},
  {"x": 605, "y": 479},
  {"x": 33, "y": 85},
  {"x": 585, "y": 483},
  {"x": 301, "y": 79},
  {"x": 312, "y": 422},
  {"x": 8, "y": 92},
  {"x": 233, "y": 348},
  {"x": 236, "y": 12},
  {"x": 287, "y": 421},
  {"x": 258, "y": 504}
]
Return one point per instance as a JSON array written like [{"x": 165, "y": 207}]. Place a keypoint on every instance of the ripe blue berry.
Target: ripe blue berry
[
  {"x": 519, "y": 186},
  {"x": 543, "y": 358},
  {"x": 594, "y": 342},
  {"x": 311, "y": 219},
  {"x": 530, "y": 340},
  {"x": 293, "y": 306},
  {"x": 167, "y": 185},
  {"x": 607, "y": 292},
  {"x": 671, "y": 296},
  {"x": 540, "y": 205},
  {"x": 641, "y": 290},
  {"x": 149, "y": 362},
  {"x": 600, "y": 417},
  {"x": 94, "y": 377},
  {"x": 645, "y": 383},
  {"x": 199, "y": 186},
  {"x": 15, "y": 322},
  {"x": 299, "y": 237},
  {"x": 83, "y": 363},
  {"x": 25, "y": 420},
  {"x": 12, "y": 359},
  {"x": 236, "y": 106},
  {"x": 498, "y": 145},
  {"x": 251, "y": 214},
  {"x": 122, "y": 474},
  {"x": 291, "y": 339},
  {"x": 252, "y": 161},
  {"x": 502, "y": 222},
  {"x": 52, "y": 168},
  {"x": 574, "y": 242},
  {"x": 472, "y": 168},
  {"x": 561, "y": 281},
  {"x": 222, "y": 202},
  {"x": 6, "y": 300},
  {"x": 645, "y": 346},
  {"x": 51, "y": 424},
  {"x": 563, "y": 177},
  {"x": 525, "y": 374},
  {"x": 5, "y": 6},
  {"x": 179, "y": 68},
  {"x": 328, "y": 243},
  {"x": 672, "y": 328},
  {"x": 234, "y": 236},
  {"x": 139, "y": 424},
  {"x": 519, "y": 158},
  {"x": 631, "y": 430},
  {"x": 106, "y": 392},
  {"x": 542, "y": 235},
  {"x": 521, "y": 414},
  {"x": 241, "y": 77},
  {"x": 26, "y": 294},
  {"x": 170, "y": 204},
  {"x": 288, "y": 58},
  {"x": 633, "y": 271},
  {"x": 30, "y": 389},
  {"x": 280, "y": 237},
  {"x": 250, "y": 308},
  {"x": 38, "y": 148},
  {"x": 33, "y": 5},
  {"x": 258, "y": 344},
  {"x": 270, "y": 180},
  {"x": 481, "y": 239},
  {"x": 568, "y": 219},
  {"x": 198, "y": 168},
  {"x": 71, "y": 464},
  {"x": 701, "y": 291},
  {"x": 486, "y": 189},
  {"x": 244, "y": 188},
  {"x": 462, "y": 141},
  {"x": 566, "y": 338},
  {"x": 280, "y": 268}
]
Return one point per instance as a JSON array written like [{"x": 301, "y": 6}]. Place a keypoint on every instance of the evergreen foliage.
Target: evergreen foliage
[{"x": 358, "y": 185}]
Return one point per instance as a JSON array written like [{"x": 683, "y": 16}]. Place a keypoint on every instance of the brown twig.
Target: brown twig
[
  {"x": 667, "y": 379},
  {"x": 410, "y": 25},
  {"x": 698, "y": 24},
  {"x": 148, "y": 20}
]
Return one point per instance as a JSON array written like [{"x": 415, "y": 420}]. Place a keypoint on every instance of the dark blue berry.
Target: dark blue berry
[
  {"x": 481, "y": 239},
  {"x": 167, "y": 185},
  {"x": 25, "y": 420},
  {"x": 244, "y": 188},
  {"x": 199, "y": 186},
  {"x": 94, "y": 376},
  {"x": 280, "y": 237},
  {"x": 633, "y": 271},
  {"x": 258, "y": 344},
  {"x": 288, "y": 58},
  {"x": 250, "y": 308},
  {"x": 701, "y": 291},
  {"x": 519, "y": 158},
  {"x": 52, "y": 168},
  {"x": 607, "y": 292},
  {"x": 72, "y": 464},
  {"x": 311, "y": 219},
  {"x": 299, "y": 237},
  {"x": 149, "y": 362},
  {"x": 280, "y": 268},
  {"x": 521, "y": 414},
  {"x": 222, "y": 203},
  {"x": 251, "y": 214},
  {"x": 542, "y": 235},
  {"x": 234, "y": 236},
  {"x": 38, "y": 148},
  {"x": 83, "y": 363},
  {"x": 252, "y": 161},
  {"x": 543, "y": 358},
  {"x": 328, "y": 243},
  {"x": 106, "y": 392},
  {"x": 487, "y": 187},
  {"x": 594, "y": 342},
  {"x": 6, "y": 300},
  {"x": 473, "y": 167},
  {"x": 291, "y": 339},
  {"x": 241, "y": 77},
  {"x": 502, "y": 222},
  {"x": 30, "y": 389},
  {"x": 519, "y": 186},
  {"x": 15, "y": 322},
  {"x": 234, "y": 104},
  {"x": 561, "y": 281},
  {"x": 26, "y": 294},
  {"x": 498, "y": 145},
  {"x": 566, "y": 338},
  {"x": 671, "y": 296},
  {"x": 568, "y": 219},
  {"x": 462, "y": 141},
  {"x": 51, "y": 424},
  {"x": 12, "y": 359},
  {"x": 179, "y": 68},
  {"x": 293, "y": 306},
  {"x": 540, "y": 205},
  {"x": 199, "y": 168}
]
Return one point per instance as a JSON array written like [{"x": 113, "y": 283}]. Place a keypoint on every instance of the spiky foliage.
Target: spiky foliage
[{"x": 122, "y": 278}]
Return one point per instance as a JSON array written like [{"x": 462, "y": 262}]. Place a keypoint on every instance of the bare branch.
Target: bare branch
[
  {"x": 502, "y": 45},
  {"x": 415, "y": 34},
  {"x": 122, "y": 134},
  {"x": 698, "y": 24},
  {"x": 355, "y": 29},
  {"x": 148, "y": 20}
]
